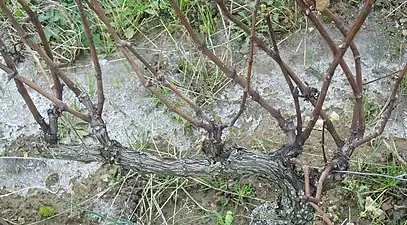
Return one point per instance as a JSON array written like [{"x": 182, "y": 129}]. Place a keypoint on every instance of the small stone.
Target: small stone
[
  {"x": 334, "y": 116},
  {"x": 404, "y": 32},
  {"x": 21, "y": 220}
]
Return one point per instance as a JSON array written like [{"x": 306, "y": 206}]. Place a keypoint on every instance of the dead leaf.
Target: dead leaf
[
  {"x": 387, "y": 206},
  {"x": 372, "y": 209}
]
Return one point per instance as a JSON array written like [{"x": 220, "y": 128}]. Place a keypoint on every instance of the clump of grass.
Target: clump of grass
[
  {"x": 203, "y": 80},
  {"x": 64, "y": 29},
  {"x": 371, "y": 191},
  {"x": 285, "y": 17}
]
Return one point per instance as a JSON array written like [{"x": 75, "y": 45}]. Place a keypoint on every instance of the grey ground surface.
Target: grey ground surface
[{"x": 131, "y": 113}]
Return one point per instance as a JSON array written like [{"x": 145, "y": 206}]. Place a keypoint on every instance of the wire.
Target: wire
[
  {"x": 387, "y": 75},
  {"x": 399, "y": 177}
]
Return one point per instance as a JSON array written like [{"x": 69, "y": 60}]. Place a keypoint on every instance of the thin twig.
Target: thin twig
[
  {"x": 294, "y": 90},
  {"x": 62, "y": 106},
  {"x": 382, "y": 77},
  {"x": 227, "y": 71},
  {"x": 395, "y": 152},
  {"x": 325, "y": 217},
  {"x": 11, "y": 71},
  {"x": 162, "y": 79},
  {"x": 387, "y": 109},
  {"x": 287, "y": 71},
  {"x": 297, "y": 113},
  {"x": 93, "y": 53},
  {"x": 249, "y": 65},
  {"x": 330, "y": 71},
  {"x": 358, "y": 112},
  {"x": 323, "y": 142},
  {"x": 123, "y": 46},
  {"x": 34, "y": 19}
]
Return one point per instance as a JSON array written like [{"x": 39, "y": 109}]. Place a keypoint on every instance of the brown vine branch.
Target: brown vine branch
[
  {"x": 27, "y": 39},
  {"x": 93, "y": 53},
  {"x": 325, "y": 217},
  {"x": 293, "y": 90},
  {"x": 11, "y": 71},
  {"x": 7, "y": 69},
  {"x": 387, "y": 109},
  {"x": 124, "y": 47},
  {"x": 331, "y": 69},
  {"x": 249, "y": 65},
  {"x": 97, "y": 124},
  {"x": 62, "y": 106},
  {"x": 349, "y": 76},
  {"x": 34, "y": 19},
  {"x": 227, "y": 71},
  {"x": 358, "y": 112},
  {"x": 284, "y": 68},
  {"x": 162, "y": 79}
]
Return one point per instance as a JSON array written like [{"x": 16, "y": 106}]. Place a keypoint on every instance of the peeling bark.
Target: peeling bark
[{"x": 287, "y": 210}]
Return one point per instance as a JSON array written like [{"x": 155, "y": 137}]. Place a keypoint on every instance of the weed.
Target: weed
[
  {"x": 202, "y": 79},
  {"x": 112, "y": 175},
  {"x": 208, "y": 23},
  {"x": 370, "y": 108},
  {"x": 139, "y": 143},
  {"x": 403, "y": 86},
  {"x": 91, "y": 82},
  {"x": 238, "y": 191},
  {"x": 370, "y": 192},
  {"x": 226, "y": 219},
  {"x": 258, "y": 144},
  {"x": 186, "y": 126},
  {"x": 284, "y": 18},
  {"x": 164, "y": 91},
  {"x": 264, "y": 143},
  {"x": 46, "y": 211},
  {"x": 70, "y": 128},
  {"x": 243, "y": 191}
]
